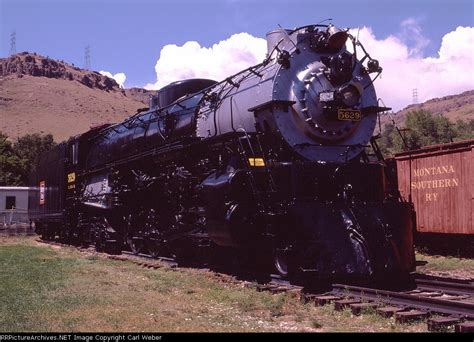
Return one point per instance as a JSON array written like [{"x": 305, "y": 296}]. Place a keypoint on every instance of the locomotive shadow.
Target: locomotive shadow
[
  {"x": 448, "y": 245},
  {"x": 246, "y": 270}
]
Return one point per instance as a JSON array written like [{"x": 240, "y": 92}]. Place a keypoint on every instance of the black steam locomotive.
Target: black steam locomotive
[{"x": 271, "y": 165}]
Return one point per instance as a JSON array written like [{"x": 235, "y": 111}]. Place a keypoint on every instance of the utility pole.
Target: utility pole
[
  {"x": 13, "y": 43},
  {"x": 87, "y": 58},
  {"x": 415, "y": 95}
]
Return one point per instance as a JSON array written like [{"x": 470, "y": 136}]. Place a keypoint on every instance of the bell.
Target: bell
[{"x": 336, "y": 37}]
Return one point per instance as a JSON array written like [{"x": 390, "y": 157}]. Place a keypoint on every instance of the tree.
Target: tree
[
  {"x": 386, "y": 139},
  {"x": 28, "y": 149},
  {"x": 445, "y": 130},
  {"x": 423, "y": 129},
  {"x": 10, "y": 165},
  {"x": 465, "y": 129},
  {"x": 18, "y": 159}
]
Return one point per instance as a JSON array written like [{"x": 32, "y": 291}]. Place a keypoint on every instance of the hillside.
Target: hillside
[
  {"x": 39, "y": 94},
  {"x": 453, "y": 107}
]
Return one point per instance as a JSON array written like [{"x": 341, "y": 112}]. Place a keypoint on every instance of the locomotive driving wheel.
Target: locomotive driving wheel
[
  {"x": 152, "y": 240},
  {"x": 281, "y": 256},
  {"x": 134, "y": 236},
  {"x": 135, "y": 243},
  {"x": 153, "y": 245},
  {"x": 281, "y": 261},
  {"x": 105, "y": 236}
]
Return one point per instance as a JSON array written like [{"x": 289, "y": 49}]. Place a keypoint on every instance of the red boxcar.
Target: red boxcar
[{"x": 440, "y": 181}]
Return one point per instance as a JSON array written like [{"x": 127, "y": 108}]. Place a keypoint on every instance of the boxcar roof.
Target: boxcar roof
[{"x": 437, "y": 149}]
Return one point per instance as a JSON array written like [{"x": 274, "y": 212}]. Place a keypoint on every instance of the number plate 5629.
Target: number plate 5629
[{"x": 349, "y": 114}]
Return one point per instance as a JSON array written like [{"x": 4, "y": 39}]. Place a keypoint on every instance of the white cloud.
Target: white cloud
[
  {"x": 400, "y": 55},
  {"x": 119, "y": 77},
  {"x": 404, "y": 68},
  {"x": 412, "y": 34},
  {"x": 223, "y": 59}
]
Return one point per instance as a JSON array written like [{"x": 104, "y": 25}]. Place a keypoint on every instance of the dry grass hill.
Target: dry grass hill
[
  {"x": 38, "y": 94},
  {"x": 453, "y": 107},
  {"x": 42, "y": 95}
]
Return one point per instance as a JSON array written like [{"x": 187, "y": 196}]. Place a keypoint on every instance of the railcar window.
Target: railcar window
[{"x": 10, "y": 202}]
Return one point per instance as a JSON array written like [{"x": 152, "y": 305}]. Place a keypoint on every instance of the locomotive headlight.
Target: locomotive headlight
[{"x": 349, "y": 95}]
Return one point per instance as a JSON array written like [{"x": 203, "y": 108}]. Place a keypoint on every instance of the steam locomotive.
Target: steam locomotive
[{"x": 275, "y": 165}]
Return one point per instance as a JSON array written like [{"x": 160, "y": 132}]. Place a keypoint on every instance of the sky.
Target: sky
[{"x": 422, "y": 44}]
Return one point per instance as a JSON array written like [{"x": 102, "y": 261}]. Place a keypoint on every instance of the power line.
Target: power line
[
  {"x": 415, "y": 95},
  {"x": 12, "y": 43},
  {"x": 87, "y": 58}
]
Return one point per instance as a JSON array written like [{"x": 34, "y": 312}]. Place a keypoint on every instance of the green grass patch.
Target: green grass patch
[
  {"x": 29, "y": 283},
  {"x": 46, "y": 288},
  {"x": 446, "y": 265}
]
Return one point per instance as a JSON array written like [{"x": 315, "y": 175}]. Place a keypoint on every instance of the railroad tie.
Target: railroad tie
[
  {"x": 359, "y": 308},
  {"x": 388, "y": 311},
  {"x": 466, "y": 327},
  {"x": 261, "y": 288},
  {"x": 442, "y": 323},
  {"x": 323, "y": 300},
  {"x": 410, "y": 316},
  {"x": 341, "y": 304},
  {"x": 279, "y": 290}
]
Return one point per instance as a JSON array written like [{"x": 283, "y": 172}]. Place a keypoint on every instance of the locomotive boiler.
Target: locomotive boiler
[{"x": 272, "y": 165}]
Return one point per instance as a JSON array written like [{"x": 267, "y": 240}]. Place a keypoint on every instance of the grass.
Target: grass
[
  {"x": 45, "y": 288},
  {"x": 446, "y": 266},
  {"x": 30, "y": 280}
]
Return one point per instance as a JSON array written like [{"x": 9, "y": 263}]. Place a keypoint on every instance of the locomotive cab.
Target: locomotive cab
[{"x": 176, "y": 90}]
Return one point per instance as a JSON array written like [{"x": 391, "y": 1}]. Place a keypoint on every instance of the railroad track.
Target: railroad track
[
  {"x": 444, "y": 302},
  {"x": 170, "y": 262},
  {"x": 446, "y": 287},
  {"x": 433, "y": 302}
]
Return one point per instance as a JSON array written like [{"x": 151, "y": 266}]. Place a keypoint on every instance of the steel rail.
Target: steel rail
[
  {"x": 439, "y": 278},
  {"x": 168, "y": 261},
  {"x": 445, "y": 287},
  {"x": 432, "y": 305}
]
